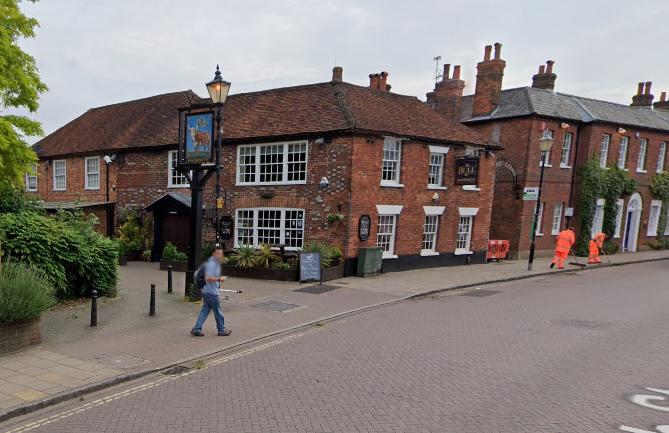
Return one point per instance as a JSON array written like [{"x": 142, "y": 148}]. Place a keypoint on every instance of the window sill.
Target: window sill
[
  {"x": 389, "y": 256},
  {"x": 616, "y": 236},
  {"x": 59, "y": 190},
  {"x": 641, "y": 171},
  {"x": 428, "y": 253},
  {"x": 177, "y": 186},
  {"x": 565, "y": 166},
  {"x": 301, "y": 182},
  {"x": 659, "y": 171},
  {"x": 651, "y": 234},
  {"x": 538, "y": 234},
  {"x": 470, "y": 188},
  {"x": 555, "y": 233},
  {"x": 392, "y": 184},
  {"x": 546, "y": 165},
  {"x": 442, "y": 188},
  {"x": 463, "y": 252},
  {"x": 623, "y": 168},
  {"x": 92, "y": 189}
]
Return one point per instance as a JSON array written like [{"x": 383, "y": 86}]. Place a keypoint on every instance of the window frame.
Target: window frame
[
  {"x": 398, "y": 172},
  {"x": 654, "y": 218},
  {"x": 171, "y": 169},
  {"x": 604, "y": 147},
  {"x": 619, "y": 218},
  {"x": 281, "y": 228},
  {"x": 55, "y": 175},
  {"x": 598, "y": 217},
  {"x": 622, "y": 156},
  {"x": 443, "y": 152},
  {"x": 285, "y": 145},
  {"x": 566, "y": 145},
  {"x": 540, "y": 217},
  {"x": 661, "y": 157},
  {"x": 556, "y": 222},
  {"x": 470, "y": 214},
  {"x": 390, "y": 254},
  {"x": 432, "y": 222},
  {"x": 87, "y": 183},
  {"x": 29, "y": 177},
  {"x": 641, "y": 162}
]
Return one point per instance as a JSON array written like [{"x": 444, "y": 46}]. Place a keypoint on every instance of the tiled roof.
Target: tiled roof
[
  {"x": 525, "y": 101},
  {"x": 290, "y": 111}
]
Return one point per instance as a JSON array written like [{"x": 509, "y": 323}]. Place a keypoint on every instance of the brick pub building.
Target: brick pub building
[
  {"x": 300, "y": 163},
  {"x": 632, "y": 137}
]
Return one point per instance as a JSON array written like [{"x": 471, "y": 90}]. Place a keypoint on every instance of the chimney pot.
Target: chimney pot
[
  {"x": 382, "y": 81},
  {"x": 639, "y": 89},
  {"x": 373, "y": 81},
  {"x": 337, "y": 73},
  {"x": 456, "y": 72},
  {"x": 542, "y": 69},
  {"x": 549, "y": 66},
  {"x": 498, "y": 50},
  {"x": 663, "y": 96},
  {"x": 486, "y": 53},
  {"x": 648, "y": 84},
  {"x": 447, "y": 72}
]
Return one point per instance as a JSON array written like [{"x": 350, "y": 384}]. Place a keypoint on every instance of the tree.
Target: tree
[{"x": 20, "y": 86}]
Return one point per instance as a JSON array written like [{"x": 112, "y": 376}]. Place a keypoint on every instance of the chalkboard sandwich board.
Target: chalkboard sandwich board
[{"x": 310, "y": 267}]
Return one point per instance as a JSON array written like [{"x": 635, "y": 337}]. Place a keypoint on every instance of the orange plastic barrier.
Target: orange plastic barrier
[{"x": 497, "y": 250}]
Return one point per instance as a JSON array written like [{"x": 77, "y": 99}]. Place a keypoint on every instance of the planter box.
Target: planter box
[
  {"x": 17, "y": 336},
  {"x": 133, "y": 256},
  {"x": 176, "y": 266},
  {"x": 333, "y": 272},
  {"x": 261, "y": 273}
]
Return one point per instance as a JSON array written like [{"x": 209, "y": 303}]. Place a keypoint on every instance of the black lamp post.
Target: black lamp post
[{"x": 545, "y": 144}]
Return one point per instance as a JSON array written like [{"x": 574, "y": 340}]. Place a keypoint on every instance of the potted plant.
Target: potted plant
[
  {"x": 173, "y": 257},
  {"x": 25, "y": 294},
  {"x": 332, "y": 265}
]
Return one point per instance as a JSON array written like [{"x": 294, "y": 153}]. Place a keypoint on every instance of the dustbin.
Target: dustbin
[{"x": 369, "y": 261}]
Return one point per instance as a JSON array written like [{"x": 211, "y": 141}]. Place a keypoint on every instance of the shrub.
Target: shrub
[
  {"x": 170, "y": 252},
  {"x": 610, "y": 247},
  {"x": 265, "y": 255},
  {"x": 282, "y": 265},
  {"x": 73, "y": 257},
  {"x": 244, "y": 257},
  {"x": 146, "y": 255},
  {"x": 13, "y": 199},
  {"x": 25, "y": 293},
  {"x": 136, "y": 233},
  {"x": 329, "y": 256},
  {"x": 658, "y": 244}
]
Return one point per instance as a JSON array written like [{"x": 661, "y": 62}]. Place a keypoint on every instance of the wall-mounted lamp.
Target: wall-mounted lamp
[
  {"x": 622, "y": 130},
  {"x": 320, "y": 140},
  {"x": 324, "y": 183},
  {"x": 637, "y": 135},
  {"x": 564, "y": 125},
  {"x": 435, "y": 196}
]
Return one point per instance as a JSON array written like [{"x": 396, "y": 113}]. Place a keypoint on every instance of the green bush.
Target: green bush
[
  {"x": 171, "y": 253},
  {"x": 25, "y": 293},
  {"x": 266, "y": 255},
  {"x": 330, "y": 255},
  {"x": 136, "y": 232},
  {"x": 282, "y": 265},
  {"x": 74, "y": 258},
  {"x": 13, "y": 199},
  {"x": 244, "y": 257}
]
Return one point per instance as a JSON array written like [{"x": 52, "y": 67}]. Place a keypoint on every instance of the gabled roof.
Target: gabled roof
[
  {"x": 524, "y": 101},
  {"x": 290, "y": 111},
  {"x": 169, "y": 199}
]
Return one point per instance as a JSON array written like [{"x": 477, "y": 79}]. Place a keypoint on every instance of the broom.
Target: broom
[{"x": 575, "y": 262}]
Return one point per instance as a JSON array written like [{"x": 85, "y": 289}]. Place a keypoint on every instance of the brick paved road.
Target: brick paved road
[{"x": 560, "y": 354}]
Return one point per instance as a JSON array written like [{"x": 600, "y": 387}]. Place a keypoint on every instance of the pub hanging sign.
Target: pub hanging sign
[
  {"x": 196, "y": 139},
  {"x": 466, "y": 171}
]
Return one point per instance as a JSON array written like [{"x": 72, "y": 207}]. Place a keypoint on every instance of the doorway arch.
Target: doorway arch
[{"x": 632, "y": 223}]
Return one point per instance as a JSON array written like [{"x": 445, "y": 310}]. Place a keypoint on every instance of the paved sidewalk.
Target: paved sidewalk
[{"x": 127, "y": 341}]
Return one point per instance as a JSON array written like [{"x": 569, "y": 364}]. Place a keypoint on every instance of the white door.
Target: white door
[{"x": 632, "y": 223}]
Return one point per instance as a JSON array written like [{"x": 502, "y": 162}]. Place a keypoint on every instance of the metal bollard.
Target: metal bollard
[
  {"x": 169, "y": 279},
  {"x": 152, "y": 303},
  {"x": 94, "y": 307}
]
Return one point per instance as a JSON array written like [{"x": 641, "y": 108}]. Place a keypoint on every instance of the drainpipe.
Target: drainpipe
[{"x": 577, "y": 145}]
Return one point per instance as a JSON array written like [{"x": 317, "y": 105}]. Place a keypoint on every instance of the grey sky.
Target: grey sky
[{"x": 93, "y": 53}]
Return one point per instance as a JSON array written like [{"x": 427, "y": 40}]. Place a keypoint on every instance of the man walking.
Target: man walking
[
  {"x": 210, "y": 295},
  {"x": 564, "y": 241},
  {"x": 595, "y": 246}
]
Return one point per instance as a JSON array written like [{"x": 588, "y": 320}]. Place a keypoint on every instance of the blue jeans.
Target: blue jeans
[{"x": 210, "y": 302}]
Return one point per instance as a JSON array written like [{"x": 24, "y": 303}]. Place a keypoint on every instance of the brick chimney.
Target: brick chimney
[
  {"x": 643, "y": 97},
  {"x": 446, "y": 98},
  {"x": 662, "y": 104},
  {"x": 379, "y": 82},
  {"x": 488, "y": 82},
  {"x": 337, "y": 74},
  {"x": 545, "y": 79}
]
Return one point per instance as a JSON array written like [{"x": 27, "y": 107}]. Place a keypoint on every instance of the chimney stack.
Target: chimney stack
[
  {"x": 446, "y": 98},
  {"x": 337, "y": 74},
  {"x": 545, "y": 79},
  {"x": 662, "y": 104},
  {"x": 488, "y": 82},
  {"x": 643, "y": 97},
  {"x": 379, "y": 82}
]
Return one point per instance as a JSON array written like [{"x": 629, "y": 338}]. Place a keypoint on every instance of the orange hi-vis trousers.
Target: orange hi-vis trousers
[
  {"x": 559, "y": 258},
  {"x": 593, "y": 253}
]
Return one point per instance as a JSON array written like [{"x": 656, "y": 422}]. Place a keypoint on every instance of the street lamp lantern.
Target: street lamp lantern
[
  {"x": 218, "y": 88},
  {"x": 545, "y": 144}
]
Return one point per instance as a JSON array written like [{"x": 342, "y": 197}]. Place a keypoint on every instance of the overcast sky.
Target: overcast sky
[{"x": 93, "y": 53}]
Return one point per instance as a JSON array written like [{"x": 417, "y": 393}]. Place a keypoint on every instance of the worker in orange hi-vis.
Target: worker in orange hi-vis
[
  {"x": 564, "y": 241},
  {"x": 595, "y": 246}
]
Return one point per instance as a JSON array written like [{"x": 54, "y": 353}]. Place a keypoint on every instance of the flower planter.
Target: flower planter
[
  {"x": 261, "y": 273},
  {"x": 18, "y": 336},
  {"x": 176, "y": 266},
  {"x": 333, "y": 272}
]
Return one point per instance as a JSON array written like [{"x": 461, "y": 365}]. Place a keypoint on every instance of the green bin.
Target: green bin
[{"x": 369, "y": 261}]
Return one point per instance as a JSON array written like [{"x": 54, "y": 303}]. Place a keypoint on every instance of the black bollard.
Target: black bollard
[
  {"x": 169, "y": 279},
  {"x": 152, "y": 303},
  {"x": 94, "y": 307}
]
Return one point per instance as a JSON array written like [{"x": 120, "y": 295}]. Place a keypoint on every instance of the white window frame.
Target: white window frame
[
  {"x": 470, "y": 213},
  {"x": 388, "y": 210},
  {"x": 654, "y": 217},
  {"x": 619, "y": 217},
  {"x": 396, "y": 181},
  {"x": 172, "y": 157},
  {"x": 443, "y": 151},
  {"x": 56, "y": 175},
  {"x": 545, "y": 157},
  {"x": 87, "y": 182},
  {"x": 284, "y": 170},
  {"x": 641, "y": 161},
  {"x": 431, "y": 212},
  {"x": 565, "y": 155},
  {"x": 661, "y": 157},
  {"x": 557, "y": 218},
  {"x": 540, "y": 217},
  {"x": 282, "y": 229},
  {"x": 622, "y": 152},
  {"x": 30, "y": 176},
  {"x": 604, "y": 150},
  {"x": 598, "y": 218}
]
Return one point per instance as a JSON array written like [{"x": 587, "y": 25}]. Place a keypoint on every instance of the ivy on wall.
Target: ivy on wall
[
  {"x": 659, "y": 186},
  {"x": 611, "y": 184}
]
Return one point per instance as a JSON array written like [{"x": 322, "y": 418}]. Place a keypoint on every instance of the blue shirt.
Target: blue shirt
[{"x": 212, "y": 269}]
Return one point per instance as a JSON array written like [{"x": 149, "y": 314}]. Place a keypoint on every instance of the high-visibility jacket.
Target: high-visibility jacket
[
  {"x": 599, "y": 239},
  {"x": 564, "y": 241}
]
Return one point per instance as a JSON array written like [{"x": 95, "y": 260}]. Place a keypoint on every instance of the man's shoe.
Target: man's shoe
[
  {"x": 197, "y": 333},
  {"x": 552, "y": 265},
  {"x": 224, "y": 333}
]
